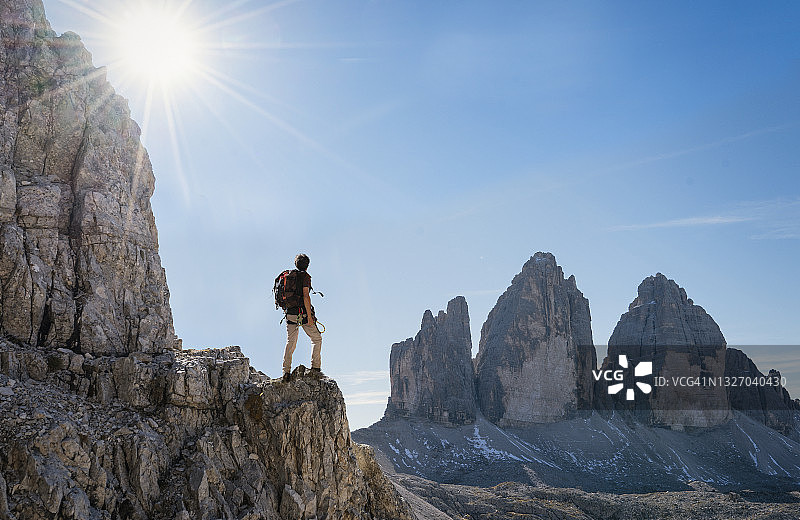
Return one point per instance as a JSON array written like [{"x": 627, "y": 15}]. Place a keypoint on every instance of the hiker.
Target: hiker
[{"x": 301, "y": 312}]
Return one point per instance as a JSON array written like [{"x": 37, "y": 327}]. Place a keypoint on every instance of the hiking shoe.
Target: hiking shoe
[
  {"x": 316, "y": 372},
  {"x": 287, "y": 377}
]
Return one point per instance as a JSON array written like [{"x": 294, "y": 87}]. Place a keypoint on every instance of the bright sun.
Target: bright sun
[{"x": 157, "y": 46}]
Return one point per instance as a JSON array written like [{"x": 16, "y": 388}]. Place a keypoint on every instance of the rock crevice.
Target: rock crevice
[{"x": 76, "y": 226}]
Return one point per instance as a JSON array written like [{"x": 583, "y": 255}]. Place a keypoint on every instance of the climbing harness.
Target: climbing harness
[{"x": 287, "y": 296}]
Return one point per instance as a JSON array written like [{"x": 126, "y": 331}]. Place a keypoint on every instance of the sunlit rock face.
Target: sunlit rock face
[
  {"x": 432, "y": 375},
  {"x": 189, "y": 434},
  {"x": 79, "y": 261},
  {"x": 536, "y": 354},
  {"x": 681, "y": 340}
]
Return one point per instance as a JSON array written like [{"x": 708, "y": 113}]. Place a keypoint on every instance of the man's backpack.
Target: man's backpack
[{"x": 288, "y": 290}]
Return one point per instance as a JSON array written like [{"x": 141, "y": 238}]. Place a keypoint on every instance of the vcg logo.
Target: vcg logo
[{"x": 642, "y": 369}]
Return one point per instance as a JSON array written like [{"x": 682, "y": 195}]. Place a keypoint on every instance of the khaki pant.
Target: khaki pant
[{"x": 292, "y": 330}]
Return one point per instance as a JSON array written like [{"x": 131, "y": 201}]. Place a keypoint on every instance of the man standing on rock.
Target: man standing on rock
[{"x": 302, "y": 315}]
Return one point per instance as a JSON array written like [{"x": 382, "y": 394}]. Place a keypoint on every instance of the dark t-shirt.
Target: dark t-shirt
[{"x": 303, "y": 280}]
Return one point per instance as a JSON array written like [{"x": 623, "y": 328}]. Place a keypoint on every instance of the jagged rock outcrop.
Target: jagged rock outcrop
[
  {"x": 100, "y": 416},
  {"x": 432, "y": 375},
  {"x": 79, "y": 263},
  {"x": 681, "y": 340},
  {"x": 766, "y": 400},
  {"x": 184, "y": 434},
  {"x": 536, "y": 354}
]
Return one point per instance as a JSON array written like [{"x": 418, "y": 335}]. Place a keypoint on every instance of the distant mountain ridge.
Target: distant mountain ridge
[{"x": 542, "y": 417}]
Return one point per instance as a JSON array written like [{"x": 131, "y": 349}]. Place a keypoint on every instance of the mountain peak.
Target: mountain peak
[
  {"x": 664, "y": 327},
  {"x": 432, "y": 374},
  {"x": 659, "y": 289},
  {"x": 539, "y": 262},
  {"x": 536, "y": 353}
]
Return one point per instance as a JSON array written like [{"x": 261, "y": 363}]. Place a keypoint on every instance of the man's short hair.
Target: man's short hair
[{"x": 301, "y": 261}]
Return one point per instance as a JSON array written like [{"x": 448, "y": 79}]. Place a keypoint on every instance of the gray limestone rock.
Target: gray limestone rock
[
  {"x": 4, "y": 512},
  {"x": 536, "y": 354},
  {"x": 664, "y": 327},
  {"x": 769, "y": 404},
  {"x": 432, "y": 374},
  {"x": 245, "y": 446},
  {"x": 79, "y": 260}
]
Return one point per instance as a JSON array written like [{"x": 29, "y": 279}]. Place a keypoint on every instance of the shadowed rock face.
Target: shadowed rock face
[
  {"x": 665, "y": 327},
  {"x": 432, "y": 374},
  {"x": 536, "y": 353},
  {"x": 79, "y": 260},
  {"x": 767, "y": 404}
]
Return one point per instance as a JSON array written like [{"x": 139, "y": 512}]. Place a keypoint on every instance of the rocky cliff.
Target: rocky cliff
[
  {"x": 664, "y": 327},
  {"x": 101, "y": 416},
  {"x": 180, "y": 435},
  {"x": 432, "y": 376},
  {"x": 536, "y": 353},
  {"x": 79, "y": 260}
]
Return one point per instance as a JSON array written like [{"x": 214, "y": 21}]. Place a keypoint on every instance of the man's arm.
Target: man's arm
[{"x": 307, "y": 304}]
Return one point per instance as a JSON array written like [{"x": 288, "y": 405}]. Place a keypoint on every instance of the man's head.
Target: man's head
[{"x": 301, "y": 261}]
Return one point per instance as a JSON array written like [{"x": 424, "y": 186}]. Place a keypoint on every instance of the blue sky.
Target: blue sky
[{"x": 421, "y": 150}]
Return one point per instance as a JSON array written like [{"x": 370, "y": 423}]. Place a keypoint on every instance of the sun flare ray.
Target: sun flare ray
[
  {"x": 93, "y": 13},
  {"x": 172, "y": 128},
  {"x": 230, "y": 129},
  {"x": 247, "y": 15},
  {"x": 219, "y": 82},
  {"x": 164, "y": 52},
  {"x": 140, "y": 155}
]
